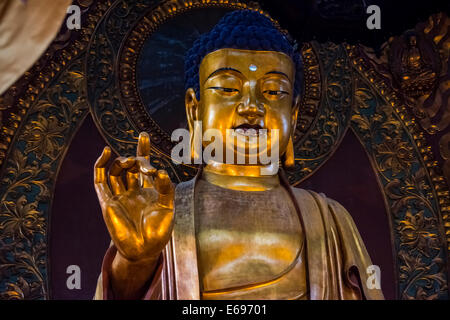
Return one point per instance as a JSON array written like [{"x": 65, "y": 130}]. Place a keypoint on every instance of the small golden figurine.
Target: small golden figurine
[
  {"x": 231, "y": 232},
  {"x": 417, "y": 76}
]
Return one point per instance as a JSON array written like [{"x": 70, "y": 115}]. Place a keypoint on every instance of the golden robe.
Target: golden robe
[{"x": 336, "y": 258}]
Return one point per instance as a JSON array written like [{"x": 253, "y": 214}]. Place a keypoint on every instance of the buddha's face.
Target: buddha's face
[{"x": 244, "y": 90}]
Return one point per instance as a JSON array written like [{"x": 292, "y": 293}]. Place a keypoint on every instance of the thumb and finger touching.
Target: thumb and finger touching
[
  {"x": 139, "y": 173},
  {"x": 118, "y": 166},
  {"x": 100, "y": 178}
]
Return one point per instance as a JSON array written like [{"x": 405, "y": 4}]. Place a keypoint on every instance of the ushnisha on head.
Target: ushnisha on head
[{"x": 245, "y": 74}]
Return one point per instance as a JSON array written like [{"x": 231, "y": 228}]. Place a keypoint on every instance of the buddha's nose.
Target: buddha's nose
[{"x": 250, "y": 107}]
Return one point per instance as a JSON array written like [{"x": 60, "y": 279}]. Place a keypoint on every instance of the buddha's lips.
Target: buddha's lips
[{"x": 248, "y": 129}]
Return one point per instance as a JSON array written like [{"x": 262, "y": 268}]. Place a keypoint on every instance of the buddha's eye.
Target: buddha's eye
[
  {"x": 274, "y": 94},
  {"x": 226, "y": 91}
]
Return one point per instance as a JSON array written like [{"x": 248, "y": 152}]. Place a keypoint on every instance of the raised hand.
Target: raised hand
[{"x": 138, "y": 215}]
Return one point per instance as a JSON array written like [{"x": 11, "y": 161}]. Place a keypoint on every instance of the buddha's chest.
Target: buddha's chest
[{"x": 245, "y": 238}]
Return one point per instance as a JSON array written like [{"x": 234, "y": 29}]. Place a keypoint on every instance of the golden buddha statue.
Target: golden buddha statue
[
  {"x": 417, "y": 75},
  {"x": 413, "y": 57},
  {"x": 235, "y": 231}
]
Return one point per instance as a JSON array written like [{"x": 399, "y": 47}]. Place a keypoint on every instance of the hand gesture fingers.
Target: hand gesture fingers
[
  {"x": 115, "y": 173},
  {"x": 143, "y": 147},
  {"x": 165, "y": 189},
  {"x": 146, "y": 170},
  {"x": 116, "y": 222},
  {"x": 133, "y": 212},
  {"x": 100, "y": 179}
]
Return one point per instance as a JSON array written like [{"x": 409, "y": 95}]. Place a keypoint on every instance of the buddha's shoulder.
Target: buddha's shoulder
[
  {"x": 310, "y": 198},
  {"x": 310, "y": 195}
]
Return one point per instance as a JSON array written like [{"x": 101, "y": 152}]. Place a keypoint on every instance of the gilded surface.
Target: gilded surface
[
  {"x": 227, "y": 248},
  {"x": 328, "y": 223}
]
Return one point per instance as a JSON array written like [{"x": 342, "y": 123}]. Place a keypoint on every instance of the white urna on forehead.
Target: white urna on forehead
[{"x": 252, "y": 67}]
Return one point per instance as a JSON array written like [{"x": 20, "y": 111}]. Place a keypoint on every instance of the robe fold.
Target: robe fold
[{"x": 336, "y": 259}]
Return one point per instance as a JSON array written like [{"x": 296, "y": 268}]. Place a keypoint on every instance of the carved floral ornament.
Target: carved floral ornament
[
  {"x": 346, "y": 87},
  {"x": 416, "y": 65}
]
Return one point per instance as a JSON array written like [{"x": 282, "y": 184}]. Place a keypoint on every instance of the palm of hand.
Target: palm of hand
[{"x": 139, "y": 217}]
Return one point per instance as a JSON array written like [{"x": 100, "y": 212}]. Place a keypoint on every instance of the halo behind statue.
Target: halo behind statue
[{"x": 140, "y": 86}]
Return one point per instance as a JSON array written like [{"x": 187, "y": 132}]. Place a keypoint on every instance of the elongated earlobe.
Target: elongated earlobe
[
  {"x": 194, "y": 141},
  {"x": 289, "y": 157},
  {"x": 191, "y": 104}
]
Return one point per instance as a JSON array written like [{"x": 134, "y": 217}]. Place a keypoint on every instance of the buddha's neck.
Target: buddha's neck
[{"x": 241, "y": 177}]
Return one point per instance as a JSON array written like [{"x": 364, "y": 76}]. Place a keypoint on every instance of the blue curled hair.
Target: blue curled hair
[{"x": 246, "y": 30}]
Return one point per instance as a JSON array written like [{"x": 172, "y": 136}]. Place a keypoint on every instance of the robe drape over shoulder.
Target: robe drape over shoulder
[{"x": 336, "y": 257}]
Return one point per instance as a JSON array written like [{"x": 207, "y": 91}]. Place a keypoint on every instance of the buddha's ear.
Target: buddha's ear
[
  {"x": 289, "y": 155},
  {"x": 294, "y": 114},
  {"x": 191, "y": 103},
  {"x": 192, "y": 114}
]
